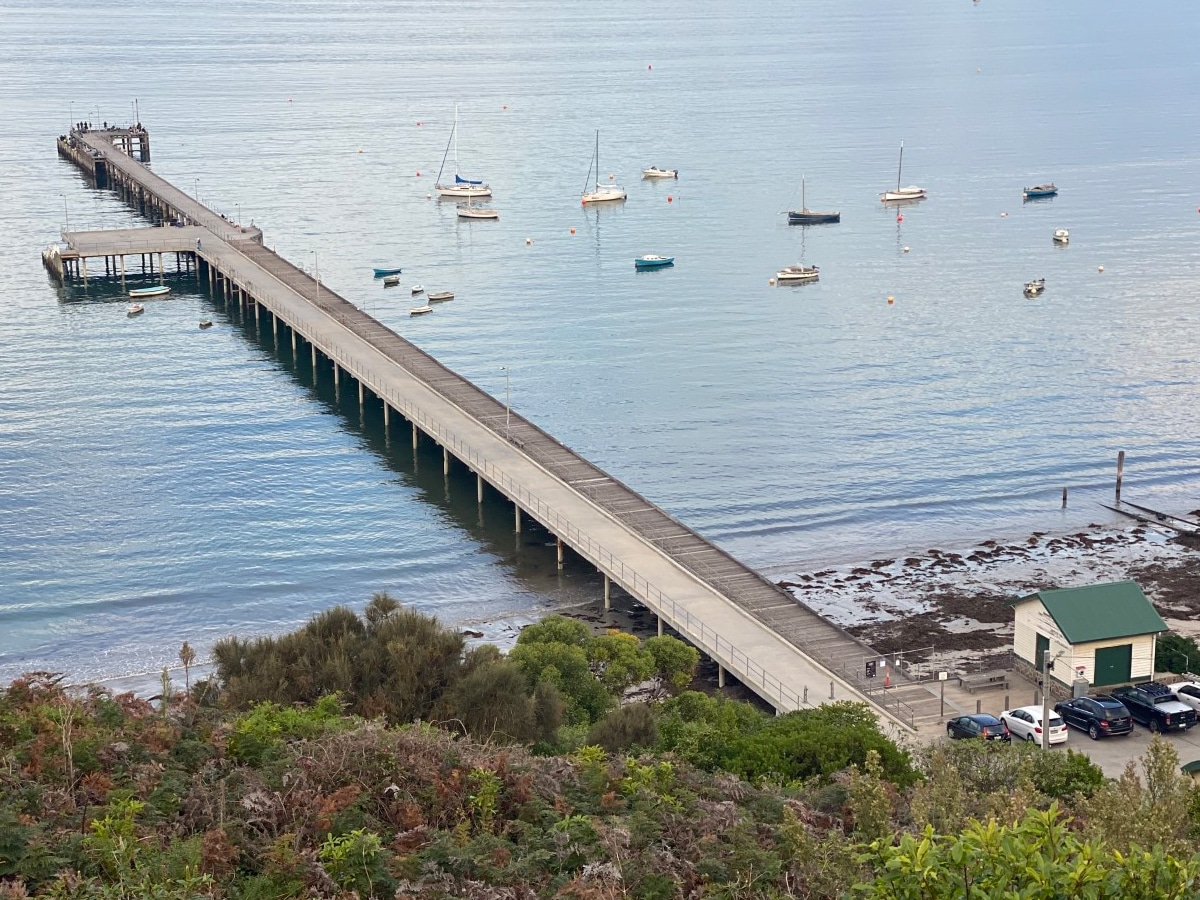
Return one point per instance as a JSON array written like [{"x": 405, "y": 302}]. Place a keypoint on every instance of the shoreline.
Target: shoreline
[{"x": 944, "y": 604}]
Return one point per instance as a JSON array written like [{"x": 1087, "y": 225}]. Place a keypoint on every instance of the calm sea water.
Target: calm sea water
[{"x": 161, "y": 484}]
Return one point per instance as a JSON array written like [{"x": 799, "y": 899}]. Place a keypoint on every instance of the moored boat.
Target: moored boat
[
  {"x": 797, "y": 274},
  {"x": 381, "y": 273},
  {"x": 205, "y": 323},
  {"x": 604, "y": 193},
  {"x": 1034, "y": 288},
  {"x": 135, "y": 309},
  {"x": 391, "y": 280},
  {"x": 418, "y": 289},
  {"x": 656, "y": 172},
  {"x": 440, "y": 296},
  {"x": 159, "y": 290},
  {"x": 1062, "y": 236},
  {"x": 1039, "y": 191},
  {"x": 420, "y": 310},
  {"x": 653, "y": 261},
  {"x": 471, "y": 211},
  {"x": 912, "y": 192},
  {"x": 805, "y": 216},
  {"x": 460, "y": 188}
]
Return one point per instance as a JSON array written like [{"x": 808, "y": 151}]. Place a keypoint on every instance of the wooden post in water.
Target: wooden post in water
[
  {"x": 558, "y": 540},
  {"x": 1064, "y": 506},
  {"x": 517, "y": 517},
  {"x": 1120, "y": 472},
  {"x": 122, "y": 258}
]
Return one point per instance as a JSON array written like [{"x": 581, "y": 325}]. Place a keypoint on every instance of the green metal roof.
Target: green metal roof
[{"x": 1099, "y": 612}]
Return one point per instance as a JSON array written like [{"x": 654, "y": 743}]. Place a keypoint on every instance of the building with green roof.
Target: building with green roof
[{"x": 1102, "y": 633}]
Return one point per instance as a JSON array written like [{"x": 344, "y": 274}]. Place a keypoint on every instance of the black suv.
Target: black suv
[{"x": 1099, "y": 716}]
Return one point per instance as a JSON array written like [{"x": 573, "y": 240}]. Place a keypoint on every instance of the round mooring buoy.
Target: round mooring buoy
[{"x": 891, "y": 300}]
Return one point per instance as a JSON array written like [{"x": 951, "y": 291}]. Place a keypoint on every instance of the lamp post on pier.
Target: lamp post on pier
[
  {"x": 317, "y": 270},
  {"x": 66, "y": 214}
]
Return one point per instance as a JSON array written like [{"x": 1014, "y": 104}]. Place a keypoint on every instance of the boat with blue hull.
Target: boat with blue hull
[
  {"x": 806, "y": 216},
  {"x": 1039, "y": 192},
  {"x": 383, "y": 273},
  {"x": 653, "y": 261}
]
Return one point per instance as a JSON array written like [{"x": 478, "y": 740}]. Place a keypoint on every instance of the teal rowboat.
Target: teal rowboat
[{"x": 380, "y": 273}]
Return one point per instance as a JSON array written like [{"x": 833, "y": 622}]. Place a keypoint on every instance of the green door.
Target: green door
[
  {"x": 1043, "y": 647},
  {"x": 1113, "y": 664}
]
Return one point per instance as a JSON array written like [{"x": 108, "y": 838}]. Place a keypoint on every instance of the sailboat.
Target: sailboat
[
  {"x": 460, "y": 187},
  {"x": 604, "y": 193},
  {"x": 471, "y": 211},
  {"x": 912, "y": 192},
  {"x": 804, "y": 216}
]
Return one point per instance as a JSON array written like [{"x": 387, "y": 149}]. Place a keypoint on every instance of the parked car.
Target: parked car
[
  {"x": 1025, "y": 723},
  {"x": 1156, "y": 706},
  {"x": 1188, "y": 693},
  {"x": 981, "y": 725},
  {"x": 1100, "y": 716}
]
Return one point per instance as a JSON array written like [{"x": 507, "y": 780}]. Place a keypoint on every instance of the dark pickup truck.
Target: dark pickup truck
[{"x": 1156, "y": 706}]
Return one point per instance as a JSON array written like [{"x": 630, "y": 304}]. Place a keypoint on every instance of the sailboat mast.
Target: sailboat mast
[
  {"x": 455, "y": 133},
  {"x": 597, "y": 158},
  {"x": 900, "y": 168},
  {"x": 803, "y": 196}
]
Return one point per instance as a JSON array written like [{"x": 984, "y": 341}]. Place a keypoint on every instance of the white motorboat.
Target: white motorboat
[
  {"x": 391, "y": 280},
  {"x": 604, "y": 193},
  {"x": 912, "y": 192},
  {"x": 1062, "y": 236},
  {"x": 440, "y": 296},
  {"x": 1035, "y": 288},
  {"x": 656, "y": 172},
  {"x": 418, "y": 289},
  {"x": 420, "y": 310},
  {"x": 797, "y": 274}
]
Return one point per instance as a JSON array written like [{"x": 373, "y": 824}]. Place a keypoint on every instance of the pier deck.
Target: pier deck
[{"x": 781, "y": 649}]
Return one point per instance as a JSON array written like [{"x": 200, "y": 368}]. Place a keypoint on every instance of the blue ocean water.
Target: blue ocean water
[{"x": 161, "y": 484}]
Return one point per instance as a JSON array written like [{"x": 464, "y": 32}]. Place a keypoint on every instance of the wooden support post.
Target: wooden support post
[
  {"x": 517, "y": 518},
  {"x": 558, "y": 540},
  {"x": 1120, "y": 464},
  {"x": 720, "y": 675},
  {"x": 1064, "y": 507},
  {"x": 607, "y": 593},
  {"x": 122, "y": 259},
  {"x": 478, "y": 488},
  {"x": 161, "y": 270}
]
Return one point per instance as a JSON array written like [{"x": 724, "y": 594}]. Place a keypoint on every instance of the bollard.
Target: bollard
[
  {"x": 1006, "y": 706},
  {"x": 1120, "y": 472},
  {"x": 806, "y": 693},
  {"x": 830, "y": 690},
  {"x": 1064, "y": 498},
  {"x": 978, "y": 707}
]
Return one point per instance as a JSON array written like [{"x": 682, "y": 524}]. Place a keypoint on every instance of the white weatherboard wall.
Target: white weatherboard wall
[{"x": 1032, "y": 619}]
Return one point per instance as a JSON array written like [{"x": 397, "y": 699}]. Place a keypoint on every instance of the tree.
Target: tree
[
  {"x": 674, "y": 662},
  {"x": 566, "y": 667},
  {"x": 492, "y": 701},
  {"x": 619, "y": 661},
  {"x": 626, "y": 727},
  {"x": 1176, "y": 653},
  {"x": 555, "y": 630},
  {"x": 187, "y": 656}
]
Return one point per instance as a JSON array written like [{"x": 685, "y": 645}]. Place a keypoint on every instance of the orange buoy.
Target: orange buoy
[
  {"x": 770, "y": 281},
  {"x": 670, "y": 199},
  {"x": 891, "y": 300},
  {"x": 906, "y": 249},
  {"x": 1099, "y": 268},
  {"x": 572, "y": 231},
  {"x": 899, "y": 217}
]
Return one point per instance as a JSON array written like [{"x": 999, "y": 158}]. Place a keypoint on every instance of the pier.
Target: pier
[{"x": 784, "y": 651}]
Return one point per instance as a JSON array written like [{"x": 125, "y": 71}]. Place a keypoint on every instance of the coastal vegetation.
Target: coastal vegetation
[{"x": 376, "y": 755}]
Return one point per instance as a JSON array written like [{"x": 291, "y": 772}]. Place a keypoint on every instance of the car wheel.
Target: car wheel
[
  {"x": 1094, "y": 733},
  {"x": 1029, "y": 737},
  {"x": 1155, "y": 728},
  {"x": 950, "y": 733}
]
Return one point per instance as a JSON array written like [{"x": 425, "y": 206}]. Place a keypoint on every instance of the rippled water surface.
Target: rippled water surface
[{"x": 160, "y": 484}]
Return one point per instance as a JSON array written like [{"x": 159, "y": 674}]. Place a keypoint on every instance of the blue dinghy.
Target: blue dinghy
[
  {"x": 380, "y": 273},
  {"x": 653, "y": 261}
]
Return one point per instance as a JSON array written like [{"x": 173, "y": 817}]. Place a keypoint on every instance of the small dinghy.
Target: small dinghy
[
  {"x": 159, "y": 290},
  {"x": 656, "y": 172},
  {"x": 205, "y": 323},
  {"x": 653, "y": 261},
  {"x": 391, "y": 280},
  {"x": 1062, "y": 236},
  {"x": 440, "y": 296},
  {"x": 135, "y": 309},
  {"x": 1039, "y": 192},
  {"x": 418, "y": 289},
  {"x": 1035, "y": 288},
  {"x": 383, "y": 273},
  {"x": 420, "y": 310}
]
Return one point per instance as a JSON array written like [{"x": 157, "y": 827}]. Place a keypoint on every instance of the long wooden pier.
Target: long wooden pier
[{"x": 781, "y": 649}]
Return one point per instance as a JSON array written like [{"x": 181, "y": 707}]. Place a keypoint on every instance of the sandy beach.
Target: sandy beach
[{"x": 952, "y": 604}]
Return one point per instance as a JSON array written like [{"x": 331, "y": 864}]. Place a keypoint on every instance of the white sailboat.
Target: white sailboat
[
  {"x": 604, "y": 193},
  {"x": 460, "y": 187},
  {"x": 471, "y": 211},
  {"x": 912, "y": 192}
]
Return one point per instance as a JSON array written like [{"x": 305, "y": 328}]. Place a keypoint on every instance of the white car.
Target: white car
[
  {"x": 1026, "y": 724},
  {"x": 1188, "y": 693}
]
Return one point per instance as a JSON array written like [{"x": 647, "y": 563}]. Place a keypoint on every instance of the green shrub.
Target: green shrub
[
  {"x": 1176, "y": 653},
  {"x": 260, "y": 734},
  {"x": 626, "y": 727}
]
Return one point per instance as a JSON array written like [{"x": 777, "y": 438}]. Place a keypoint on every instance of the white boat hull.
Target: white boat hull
[
  {"x": 465, "y": 212},
  {"x": 908, "y": 193},
  {"x": 603, "y": 195},
  {"x": 660, "y": 173},
  {"x": 463, "y": 191}
]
